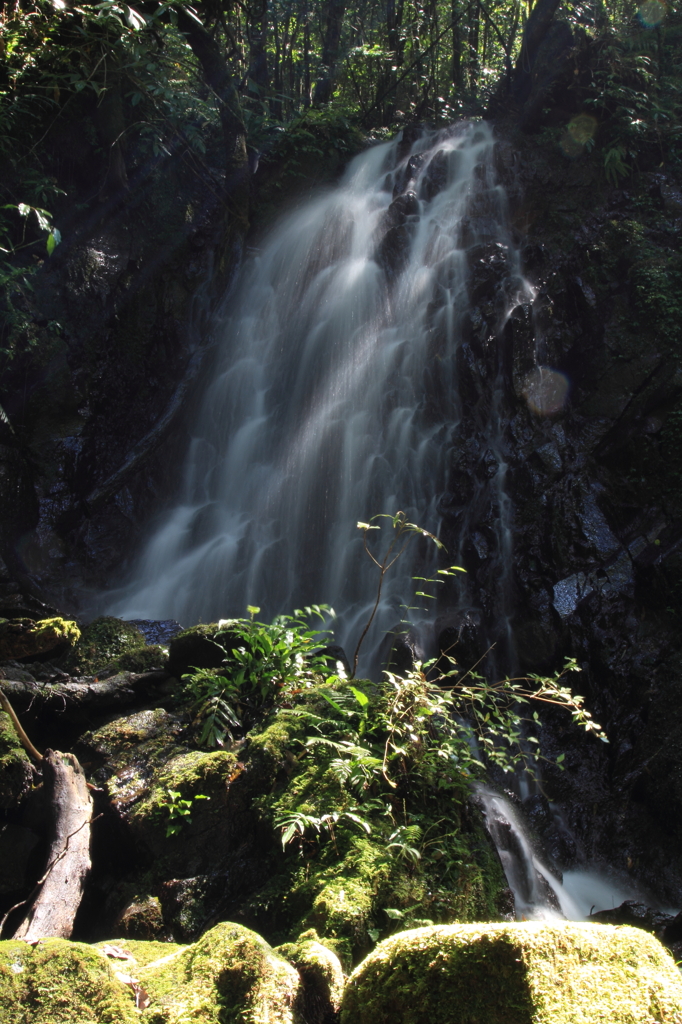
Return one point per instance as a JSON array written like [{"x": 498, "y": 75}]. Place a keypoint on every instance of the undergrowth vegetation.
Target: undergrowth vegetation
[{"x": 367, "y": 784}]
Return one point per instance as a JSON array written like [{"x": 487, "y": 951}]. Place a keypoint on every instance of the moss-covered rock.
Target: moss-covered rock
[
  {"x": 141, "y": 918},
  {"x": 321, "y": 974},
  {"x": 24, "y": 638},
  {"x": 230, "y": 976},
  {"x": 194, "y": 648},
  {"x": 143, "y": 952},
  {"x": 147, "y": 771},
  {"x": 142, "y": 659},
  {"x": 16, "y": 773},
  {"x": 102, "y": 642},
  {"x": 343, "y": 888},
  {"x": 531, "y": 973},
  {"x": 60, "y": 982},
  {"x": 192, "y": 773}
]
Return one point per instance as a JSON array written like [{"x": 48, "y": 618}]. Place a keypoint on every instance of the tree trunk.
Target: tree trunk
[
  {"x": 217, "y": 75},
  {"x": 306, "y": 62},
  {"x": 456, "y": 47},
  {"x": 472, "y": 47},
  {"x": 256, "y": 33},
  {"x": 59, "y": 893},
  {"x": 386, "y": 87},
  {"x": 330, "y": 51},
  {"x": 536, "y": 29},
  {"x": 111, "y": 125}
]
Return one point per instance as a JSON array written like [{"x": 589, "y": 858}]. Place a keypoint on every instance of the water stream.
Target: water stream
[
  {"x": 541, "y": 893},
  {"x": 337, "y": 397}
]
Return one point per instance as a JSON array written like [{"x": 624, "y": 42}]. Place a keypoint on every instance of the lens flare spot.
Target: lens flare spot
[
  {"x": 651, "y": 13},
  {"x": 579, "y": 132},
  {"x": 546, "y": 390},
  {"x": 582, "y": 128}
]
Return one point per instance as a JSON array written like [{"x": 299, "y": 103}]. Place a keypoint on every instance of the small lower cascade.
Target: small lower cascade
[{"x": 539, "y": 893}]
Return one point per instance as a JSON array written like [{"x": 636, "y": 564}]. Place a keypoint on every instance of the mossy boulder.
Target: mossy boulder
[
  {"x": 194, "y": 648},
  {"x": 321, "y": 975},
  {"x": 200, "y": 777},
  {"x": 141, "y": 659},
  {"x": 230, "y": 976},
  {"x": 60, "y": 982},
  {"x": 102, "y": 642},
  {"x": 530, "y": 973},
  {"x": 27, "y": 639},
  {"x": 145, "y": 762},
  {"x": 16, "y": 773},
  {"x": 343, "y": 889},
  {"x": 142, "y": 918}
]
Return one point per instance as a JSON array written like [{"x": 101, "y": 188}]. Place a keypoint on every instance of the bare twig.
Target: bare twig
[{"x": 19, "y": 729}]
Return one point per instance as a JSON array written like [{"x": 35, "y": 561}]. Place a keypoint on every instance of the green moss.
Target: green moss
[
  {"x": 16, "y": 773},
  {"x": 101, "y": 643},
  {"x": 123, "y": 737},
  {"x": 60, "y": 982},
  {"x": 532, "y": 973},
  {"x": 230, "y": 976},
  {"x": 144, "y": 952},
  {"x": 24, "y": 638},
  {"x": 190, "y": 773},
  {"x": 343, "y": 883},
  {"x": 142, "y": 918},
  {"x": 321, "y": 974},
  {"x": 140, "y": 659}
]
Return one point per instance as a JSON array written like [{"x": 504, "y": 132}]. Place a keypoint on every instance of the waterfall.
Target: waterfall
[
  {"x": 541, "y": 893},
  {"x": 337, "y": 396}
]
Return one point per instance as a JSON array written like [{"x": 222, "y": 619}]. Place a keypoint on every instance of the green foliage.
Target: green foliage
[
  {"x": 176, "y": 810},
  {"x": 310, "y": 143},
  {"x": 261, "y": 664},
  {"x": 129, "y": 81},
  {"x": 411, "y": 734},
  {"x": 403, "y": 532},
  {"x": 654, "y": 275},
  {"x": 636, "y": 94}
]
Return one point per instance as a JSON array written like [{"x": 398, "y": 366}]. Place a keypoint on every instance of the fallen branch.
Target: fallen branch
[
  {"x": 123, "y": 688},
  {"x": 19, "y": 729},
  {"x": 41, "y": 881},
  {"x": 59, "y": 892}
]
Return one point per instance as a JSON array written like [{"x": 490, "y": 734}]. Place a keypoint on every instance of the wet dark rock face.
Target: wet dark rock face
[
  {"x": 590, "y": 445},
  {"x": 123, "y": 314}
]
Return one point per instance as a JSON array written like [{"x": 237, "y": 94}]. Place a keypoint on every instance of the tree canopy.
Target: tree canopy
[{"x": 141, "y": 84}]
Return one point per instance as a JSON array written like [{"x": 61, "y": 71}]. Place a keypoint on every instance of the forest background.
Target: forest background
[{"x": 148, "y": 81}]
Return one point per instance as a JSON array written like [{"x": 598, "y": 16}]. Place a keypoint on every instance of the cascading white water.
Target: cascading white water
[
  {"x": 336, "y": 395},
  {"x": 539, "y": 894}
]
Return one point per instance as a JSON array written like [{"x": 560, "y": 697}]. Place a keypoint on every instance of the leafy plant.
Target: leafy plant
[
  {"x": 412, "y": 736},
  {"x": 176, "y": 810},
  {"x": 262, "y": 663},
  {"x": 299, "y": 825},
  {"x": 403, "y": 532}
]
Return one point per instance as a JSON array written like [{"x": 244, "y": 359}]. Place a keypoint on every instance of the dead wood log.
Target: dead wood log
[
  {"x": 116, "y": 691},
  {"x": 58, "y": 894}
]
